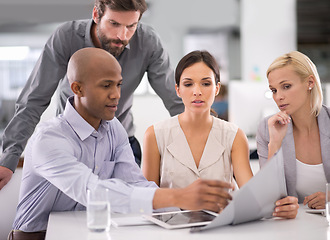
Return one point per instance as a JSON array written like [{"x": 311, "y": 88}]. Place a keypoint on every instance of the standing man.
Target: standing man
[{"x": 114, "y": 27}]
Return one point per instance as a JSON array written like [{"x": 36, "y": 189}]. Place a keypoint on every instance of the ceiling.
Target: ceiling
[
  {"x": 27, "y": 15},
  {"x": 34, "y": 15}
]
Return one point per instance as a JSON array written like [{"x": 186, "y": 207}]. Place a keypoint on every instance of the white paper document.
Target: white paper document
[{"x": 256, "y": 199}]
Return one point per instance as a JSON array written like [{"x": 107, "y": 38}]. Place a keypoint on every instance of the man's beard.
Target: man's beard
[{"x": 106, "y": 44}]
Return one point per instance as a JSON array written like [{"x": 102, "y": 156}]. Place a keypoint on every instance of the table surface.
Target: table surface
[{"x": 72, "y": 225}]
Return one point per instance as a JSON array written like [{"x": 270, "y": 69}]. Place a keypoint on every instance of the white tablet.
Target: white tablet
[
  {"x": 129, "y": 221},
  {"x": 182, "y": 219},
  {"x": 316, "y": 211}
]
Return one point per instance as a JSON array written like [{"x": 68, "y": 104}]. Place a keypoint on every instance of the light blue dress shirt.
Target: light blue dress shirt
[{"x": 65, "y": 157}]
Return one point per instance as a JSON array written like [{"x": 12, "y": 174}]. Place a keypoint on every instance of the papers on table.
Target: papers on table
[{"x": 256, "y": 199}]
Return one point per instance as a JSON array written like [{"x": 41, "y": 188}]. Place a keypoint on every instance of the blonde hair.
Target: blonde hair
[{"x": 304, "y": 67}]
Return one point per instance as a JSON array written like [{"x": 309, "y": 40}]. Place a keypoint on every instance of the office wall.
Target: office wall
[
  {"x": 147, "y": 110},
  {"x": 174, "y": 19},
  {"x": 268, "y": 30}
]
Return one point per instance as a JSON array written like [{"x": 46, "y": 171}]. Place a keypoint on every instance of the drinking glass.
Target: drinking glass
[{"x": 98, "y": 209}]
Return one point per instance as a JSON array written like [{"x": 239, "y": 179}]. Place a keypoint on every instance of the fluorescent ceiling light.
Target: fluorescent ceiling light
[{"x": 14, "y": 53}]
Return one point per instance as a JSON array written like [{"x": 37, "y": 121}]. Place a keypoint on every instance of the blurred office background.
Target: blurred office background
[{"x": 244, "y": 35}]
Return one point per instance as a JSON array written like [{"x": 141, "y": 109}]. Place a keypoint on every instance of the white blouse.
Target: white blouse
[
  {"x": 178, "y": 168},
  {"x": 310, "y": 179}
]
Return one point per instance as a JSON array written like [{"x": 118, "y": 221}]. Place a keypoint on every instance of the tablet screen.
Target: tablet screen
[{"x": 185, "y": 217}]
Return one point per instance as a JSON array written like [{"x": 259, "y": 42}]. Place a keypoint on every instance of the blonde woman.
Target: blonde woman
[{"x": 301, "y": 128}]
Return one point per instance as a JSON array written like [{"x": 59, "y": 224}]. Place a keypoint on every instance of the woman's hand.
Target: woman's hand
[
  {"x": 277, "y": 127},
  {"x": 316, "y": 200},
  {"x": 286, "y": 207}
]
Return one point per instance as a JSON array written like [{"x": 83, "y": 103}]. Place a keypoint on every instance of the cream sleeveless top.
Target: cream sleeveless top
[{"x": 178, "y": 168}]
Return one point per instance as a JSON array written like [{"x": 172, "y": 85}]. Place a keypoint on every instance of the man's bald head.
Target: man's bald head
[
  {"x": 95, "y": 79},
  {"x": 88, "y": 63}
]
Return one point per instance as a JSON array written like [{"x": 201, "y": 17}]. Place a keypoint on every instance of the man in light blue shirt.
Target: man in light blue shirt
[{"x": 87, "y": 146}]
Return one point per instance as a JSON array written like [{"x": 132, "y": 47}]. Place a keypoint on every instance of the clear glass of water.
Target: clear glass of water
[{"x": 98, "y": 210}]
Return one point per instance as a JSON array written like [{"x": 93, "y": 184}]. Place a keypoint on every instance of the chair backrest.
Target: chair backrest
[{"x": 8, "y": 203}]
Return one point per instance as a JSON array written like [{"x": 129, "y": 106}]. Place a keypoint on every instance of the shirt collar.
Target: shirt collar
[
  {"x": 88, "y": 37},
  {"x": 82, "y": 128}
]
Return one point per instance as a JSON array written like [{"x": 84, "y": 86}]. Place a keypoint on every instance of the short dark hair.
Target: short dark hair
[
  {"x": 195, "y": 57},
  {"x": 120, "y": 5}
]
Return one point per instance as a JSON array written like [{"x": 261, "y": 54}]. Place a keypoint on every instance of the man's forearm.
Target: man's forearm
[{"x": 165, "y": 197}]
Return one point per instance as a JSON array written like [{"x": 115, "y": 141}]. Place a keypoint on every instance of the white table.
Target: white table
[{"x": 72, "y": 225}]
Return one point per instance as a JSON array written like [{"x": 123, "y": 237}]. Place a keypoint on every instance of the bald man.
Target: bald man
[{"x": 87, "y": 146}]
